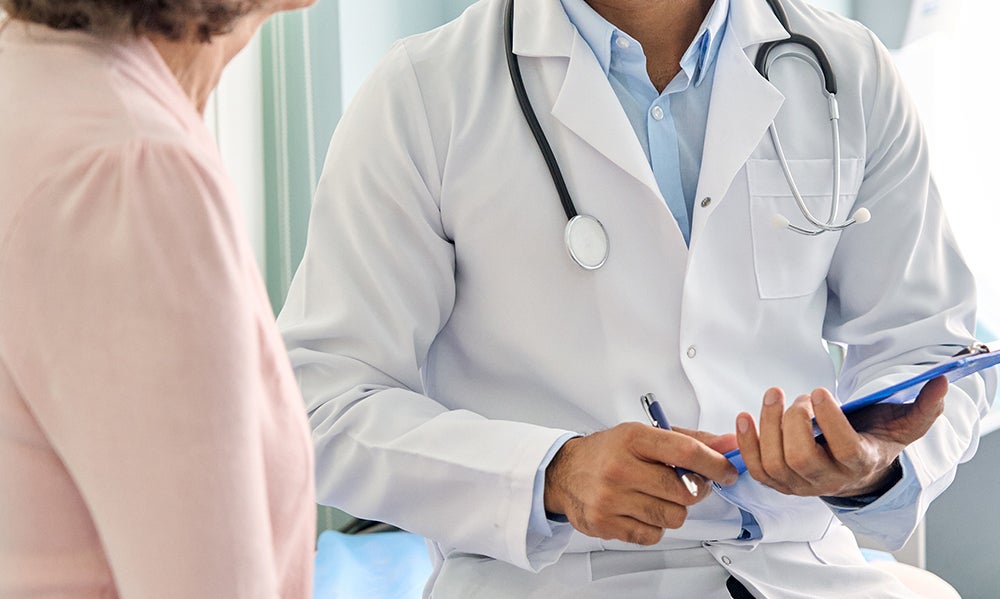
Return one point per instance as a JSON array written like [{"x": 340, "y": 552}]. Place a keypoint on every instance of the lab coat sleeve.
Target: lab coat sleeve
[
  {"x": 375, "y": 286},
  {"x": 130, "y": 336},
  {"x": 901, "y": 298}
]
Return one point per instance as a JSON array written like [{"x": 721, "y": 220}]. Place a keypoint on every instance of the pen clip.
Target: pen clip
[{"x": 647, "y": 404}]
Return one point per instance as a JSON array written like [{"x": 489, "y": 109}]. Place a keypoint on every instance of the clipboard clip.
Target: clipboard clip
[{"x": 972, "y": 350}]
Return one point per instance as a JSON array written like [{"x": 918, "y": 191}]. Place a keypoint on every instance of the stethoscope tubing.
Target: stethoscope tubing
[
  {"x": 529, "y": 114},
  {"x": 762, "y": 62},
  {"x": 835, "y": 143}
]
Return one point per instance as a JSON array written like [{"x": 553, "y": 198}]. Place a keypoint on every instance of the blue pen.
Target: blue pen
[{"x": 659, "y": 420}]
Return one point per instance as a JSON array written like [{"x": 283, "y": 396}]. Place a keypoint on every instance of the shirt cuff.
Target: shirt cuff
[
  {"x": 540, "y": 523},
  {"x": 905, "y": 478},
  {"x": 751, "y": 529}
]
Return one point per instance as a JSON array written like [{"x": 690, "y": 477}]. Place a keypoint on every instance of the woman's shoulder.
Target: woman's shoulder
[
  {"x": 100, "y": 139},
  {"x": 71, "y": 96}
]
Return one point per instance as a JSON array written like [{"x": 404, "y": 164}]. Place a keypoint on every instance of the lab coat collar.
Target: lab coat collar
[
  {"x": 752, "y": 22},
  {"x": 588, "y": 106},
  {"x": 541, "y": 28}
]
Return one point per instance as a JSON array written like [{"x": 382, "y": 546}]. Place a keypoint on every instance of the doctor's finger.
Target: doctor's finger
[
  {"x": 675, "y": 449},
  {"x": 655, "y": 512},
  {"x": 633, "y": 531},
  {"x": 771, "y": 436},
  {"x": 613, "y": 525},
  {"x": 773, "y": 445},
  {"x": 842, "y": 441},
  {"x": 664, "y": 483},
  {"x": 928, "y": 406},
  {"x": 749, "y": 441},
  {"x": 632, "y": 517},
  {"x": 803, "y": 454}
]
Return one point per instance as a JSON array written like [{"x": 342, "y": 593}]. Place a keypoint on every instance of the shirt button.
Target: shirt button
[
  {"x": 726, "y": 560},
  {"x": 706, "y": 202},
  {"x": 623, "y": 43},
  {"x": 657, "y": 113},
  {"x": 692, "y": 352}
]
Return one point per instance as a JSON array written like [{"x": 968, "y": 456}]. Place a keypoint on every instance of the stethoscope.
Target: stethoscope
[{"x": 585, "y": 237}]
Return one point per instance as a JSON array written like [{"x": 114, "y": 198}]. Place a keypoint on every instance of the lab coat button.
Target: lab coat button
[
  {"x": 657, "y": 113},
  {"x": 692, "y": 352},
  {"x": 706, "y": 202},
  {"x": 726, "y": 560}
]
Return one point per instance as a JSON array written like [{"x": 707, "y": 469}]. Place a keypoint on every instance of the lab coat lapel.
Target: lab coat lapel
[
  {"x": 743, "y": 104},
  {"x": 586, "y": 104}
]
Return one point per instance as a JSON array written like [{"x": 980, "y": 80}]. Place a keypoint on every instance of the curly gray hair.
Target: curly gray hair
[{"x": 174, "y": 19}]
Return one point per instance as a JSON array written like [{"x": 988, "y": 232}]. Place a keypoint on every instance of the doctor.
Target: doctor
[{"x": 468, "y": 381}]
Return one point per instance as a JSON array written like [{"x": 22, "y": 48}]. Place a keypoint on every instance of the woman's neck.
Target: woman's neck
[{"x": 198, "y": 65}]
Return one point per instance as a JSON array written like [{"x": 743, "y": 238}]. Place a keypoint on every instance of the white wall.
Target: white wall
[{"x": 368, "y": 28}]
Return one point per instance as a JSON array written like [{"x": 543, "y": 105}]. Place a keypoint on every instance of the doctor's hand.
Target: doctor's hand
[
  {"x": 618, "y": 483},
  {"x": 851, "y": 460}
]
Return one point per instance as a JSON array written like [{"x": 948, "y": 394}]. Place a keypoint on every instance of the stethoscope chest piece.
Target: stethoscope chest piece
[{"x": 587, "y": 241}]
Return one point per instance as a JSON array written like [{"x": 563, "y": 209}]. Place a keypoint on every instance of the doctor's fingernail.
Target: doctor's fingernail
[
  {"x": 743, "y": 423},
  {"x": 771, "y": 397}
]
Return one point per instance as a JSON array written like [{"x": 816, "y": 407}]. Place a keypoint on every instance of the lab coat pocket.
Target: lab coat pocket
[{"x": 788, "y": 264}]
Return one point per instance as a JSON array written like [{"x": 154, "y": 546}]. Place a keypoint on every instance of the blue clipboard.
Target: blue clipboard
[{"x": 972, "y": 360}]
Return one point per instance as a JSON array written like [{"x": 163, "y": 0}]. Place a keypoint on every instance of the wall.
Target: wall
[
  {"x": 369, "y": 28},
  {"x": 963, "y": 531}
]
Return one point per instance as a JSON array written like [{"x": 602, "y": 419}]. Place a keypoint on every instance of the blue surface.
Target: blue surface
[
  {"x": 874, "y": 555},
  {"x": 382, "y": 565}
]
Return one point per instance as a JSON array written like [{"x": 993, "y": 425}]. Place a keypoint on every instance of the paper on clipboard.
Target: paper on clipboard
[{"x": 907, "y": 391}]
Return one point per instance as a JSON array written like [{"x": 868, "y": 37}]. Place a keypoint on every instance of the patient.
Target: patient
[{"x": 152, "y": 441}]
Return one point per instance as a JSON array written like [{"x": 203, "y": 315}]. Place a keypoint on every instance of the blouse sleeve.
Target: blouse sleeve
[{"x": 127, "y": 328}]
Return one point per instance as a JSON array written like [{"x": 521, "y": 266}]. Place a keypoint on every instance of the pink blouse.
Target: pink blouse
[{"x": 152, "y": 437}]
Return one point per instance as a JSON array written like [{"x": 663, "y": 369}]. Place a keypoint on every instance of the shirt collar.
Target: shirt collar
[{"x": 600, "y": 35}]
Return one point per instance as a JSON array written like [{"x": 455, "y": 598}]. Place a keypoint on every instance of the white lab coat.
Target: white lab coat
[{"x": 444, "y": 339}]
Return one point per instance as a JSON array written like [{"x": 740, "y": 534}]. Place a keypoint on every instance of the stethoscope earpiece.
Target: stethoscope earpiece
[{"x": 860, "y": 217}]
